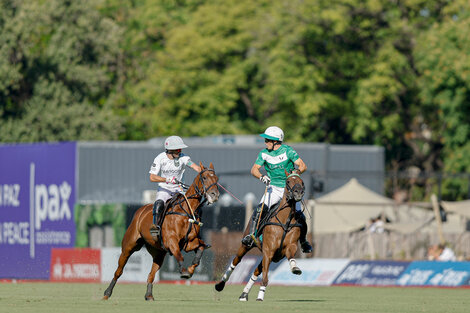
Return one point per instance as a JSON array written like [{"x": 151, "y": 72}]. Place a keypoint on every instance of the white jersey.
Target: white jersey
[{"x": 167, "y": 168}]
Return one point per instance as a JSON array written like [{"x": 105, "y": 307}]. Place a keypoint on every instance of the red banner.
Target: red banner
[{"x": 75, "y": 265}]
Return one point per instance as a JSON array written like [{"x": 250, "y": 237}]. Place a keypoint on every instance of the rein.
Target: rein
[
  {"x": 197, "y": 195},
  {"x": 193, "y": 214}
]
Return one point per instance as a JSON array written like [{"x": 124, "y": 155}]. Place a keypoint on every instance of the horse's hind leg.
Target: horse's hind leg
[
  {"x": 158, "y": 257},
  {"x": 128, "y": 248},
  {"x": 251, "y": 282},
  {"x": 240, "y": 254},
  {"x": 197, "y": 258}
]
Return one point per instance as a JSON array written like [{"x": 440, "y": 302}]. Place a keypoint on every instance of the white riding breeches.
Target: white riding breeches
[
  {"x": 165, "y": 194},
  {"x": 274, "y": 195}
]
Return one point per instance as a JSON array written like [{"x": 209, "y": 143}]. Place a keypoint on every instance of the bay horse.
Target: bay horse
[
  {"x": 180, "y": 230},
  {"x": 280, "y": 233}
]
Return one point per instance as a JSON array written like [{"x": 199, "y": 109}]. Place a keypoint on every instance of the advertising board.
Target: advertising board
[
  {"x": 434, "y": 273},
  {"x": 37, "y": 196},
  {"x": 315, "y": 272},
  {"x": 136, "y": 270},
  {"x": 371, "y": 273},
  {"x": 75, "y": 265}
]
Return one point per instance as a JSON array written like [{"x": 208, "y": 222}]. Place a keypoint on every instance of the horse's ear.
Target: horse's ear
[
  {"x": 287, "y": 174},
  {"x": 200, "y": 165},
  {"x": 211, "y": 165}
]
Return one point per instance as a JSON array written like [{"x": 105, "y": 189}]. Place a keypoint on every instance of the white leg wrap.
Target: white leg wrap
[
  {"x": 292, "y": 263},
  {"x": 250, "y": 283},
  {"x": 228, "y": 272},
  {"x": 261, "y": 292}
]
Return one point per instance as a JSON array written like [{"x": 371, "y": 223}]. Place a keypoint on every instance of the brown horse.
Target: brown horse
[
  {"x": 180, "y": 230},
  {"x": 280, "y": 235}
]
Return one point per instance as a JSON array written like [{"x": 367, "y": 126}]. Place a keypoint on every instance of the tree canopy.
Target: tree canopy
[{"x": 381, "y": 72}]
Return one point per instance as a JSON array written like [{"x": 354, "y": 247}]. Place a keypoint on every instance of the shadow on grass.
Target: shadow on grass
[{"x": 299, "y": 300}]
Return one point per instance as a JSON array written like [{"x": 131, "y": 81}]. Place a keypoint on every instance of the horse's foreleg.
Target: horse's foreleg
[
  {"x": 290, "y": 252},
  {"x": 267, "y": 258},
  {"x": 175, "y": 250},
  {"x": 240, "y": 254},
  {"x": 251, "y": 282},
  {"x": 158, "y": 258}
]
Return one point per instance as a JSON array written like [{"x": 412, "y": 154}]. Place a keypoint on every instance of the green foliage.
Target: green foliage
[
  {"x": 87, "y": 216},
  {"x": 345, "y": 72},
  {"x": 59, "y": 65}
]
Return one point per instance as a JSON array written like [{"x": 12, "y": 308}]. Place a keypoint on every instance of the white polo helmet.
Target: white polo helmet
[
  {"x": 273, "y": 133},
  {"x": 174, "y": 143}
]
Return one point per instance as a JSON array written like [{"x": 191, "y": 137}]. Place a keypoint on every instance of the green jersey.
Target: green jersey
[{"x": 276, "y": 161}]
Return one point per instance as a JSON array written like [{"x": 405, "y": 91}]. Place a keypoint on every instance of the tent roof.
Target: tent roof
[
  {"x": 354, "y": 193},
  {"x": 348, "y": 208},
  {"x": 459, "y": 207}
]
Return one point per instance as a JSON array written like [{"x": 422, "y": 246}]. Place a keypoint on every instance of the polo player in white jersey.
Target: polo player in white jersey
[{"x": 167, "y": 170}]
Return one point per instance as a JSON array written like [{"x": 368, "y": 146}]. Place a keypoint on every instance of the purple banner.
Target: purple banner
[
  {"x": 37, "y": 196},
  {"x": 371, "y": 273}
]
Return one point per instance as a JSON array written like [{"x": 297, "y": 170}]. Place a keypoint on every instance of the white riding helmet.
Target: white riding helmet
[
  {"x": 174, "y": 143},
  {"x": 273, "y": 133}
]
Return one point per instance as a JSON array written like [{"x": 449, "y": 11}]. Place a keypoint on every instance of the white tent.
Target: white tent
[
  {"x": 461, "y": 208},
  {"x": 349, "y": 208}
]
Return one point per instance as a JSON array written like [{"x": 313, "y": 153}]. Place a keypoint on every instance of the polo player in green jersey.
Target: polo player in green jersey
[{"x": 276, "y": 159}]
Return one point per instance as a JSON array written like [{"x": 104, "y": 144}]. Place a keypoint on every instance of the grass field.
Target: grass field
[{"x": 129, "y": 298}]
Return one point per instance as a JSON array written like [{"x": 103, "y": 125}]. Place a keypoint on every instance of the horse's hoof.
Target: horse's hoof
[
  {"x": 220, "y": 286},
  {"x": 296, "y": 270},
  {"x": 149, "y": 298},
  {"x": 185, "y": 275},
  {"x": 207, "y": 246},
  {"x": 243, "y": 297},
  {"x": 259, "y": 299},
  {"x": 105, "y": 298}
]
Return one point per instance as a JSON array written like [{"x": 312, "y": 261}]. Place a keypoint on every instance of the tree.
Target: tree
[
  {"x": 443, "y": 61},
  {"x": 58, "y": 67}
]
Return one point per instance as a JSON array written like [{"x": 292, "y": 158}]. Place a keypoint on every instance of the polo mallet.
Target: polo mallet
[{"x": 259, "y": 219}]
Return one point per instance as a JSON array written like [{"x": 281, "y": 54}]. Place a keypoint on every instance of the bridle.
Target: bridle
[
  {"x": 201, "y": 179},
  {"x": 296, "y": 188}
]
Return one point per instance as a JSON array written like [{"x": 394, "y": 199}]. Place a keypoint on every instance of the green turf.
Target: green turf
[{"x": 129, "y": 298}]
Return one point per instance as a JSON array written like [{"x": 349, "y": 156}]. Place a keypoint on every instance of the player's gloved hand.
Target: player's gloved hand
[
  {"x": 171, "y": 180},
  {"x": 265, "y": 179}
]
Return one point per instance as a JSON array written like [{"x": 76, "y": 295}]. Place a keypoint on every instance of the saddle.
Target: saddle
[{"x": 266, "y": 216}]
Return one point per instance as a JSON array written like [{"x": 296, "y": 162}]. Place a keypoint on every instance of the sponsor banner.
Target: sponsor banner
[
  {"x": 368, "y": 273},
  {"x": 203, "y": 272},
  {"x": 244, "y": 270},
  {"x": 435, "y": 273},
  {"x": 37, "y": 196},
  {"x": 242, "y": 273},
  {"x": 137, "y": 268},
  {"x": 315, "y": 272},
  {"x": 75, "y": 265}
]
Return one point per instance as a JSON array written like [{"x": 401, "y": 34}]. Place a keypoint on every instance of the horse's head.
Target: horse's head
[
  {"x": 295, "y": 186},
  {"x": 208, "y": 183}
]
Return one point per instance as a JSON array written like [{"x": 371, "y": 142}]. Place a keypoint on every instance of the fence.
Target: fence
[{"x": 386, "y": 246}]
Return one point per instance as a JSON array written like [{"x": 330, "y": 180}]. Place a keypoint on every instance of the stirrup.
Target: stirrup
[
  {"x": 306, "y": 247},
  {"x": 155, "y": 231}
]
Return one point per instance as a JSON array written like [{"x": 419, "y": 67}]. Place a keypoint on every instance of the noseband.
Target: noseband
[{"x": 296, "y": 188}]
